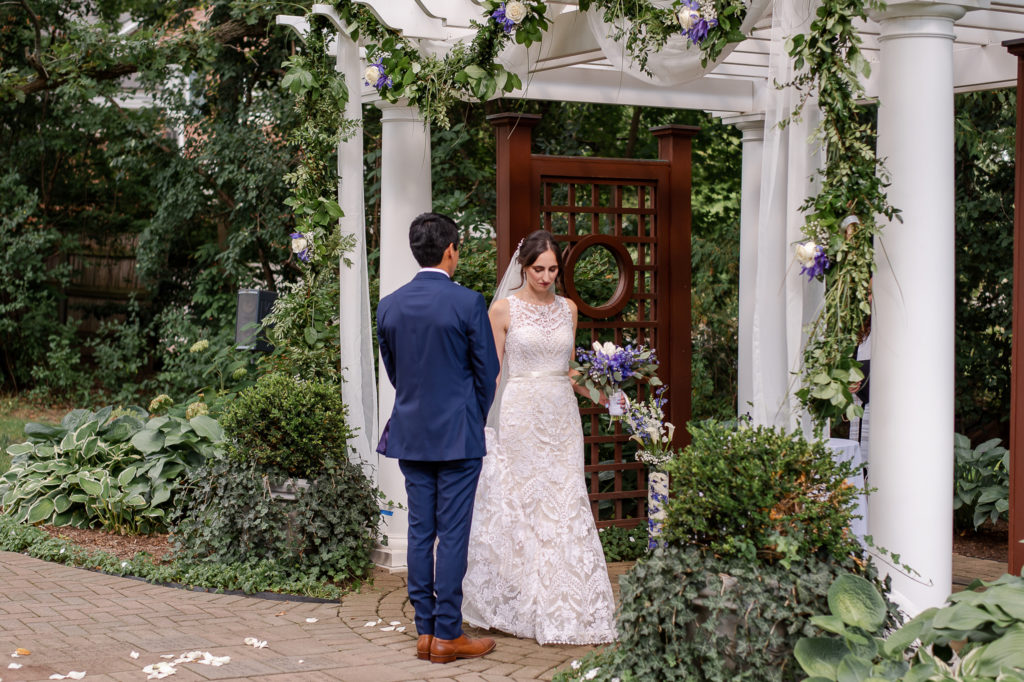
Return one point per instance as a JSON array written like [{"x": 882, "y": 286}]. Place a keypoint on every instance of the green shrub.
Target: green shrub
[
  {"x": 759, "y": 493},
  {"x": 287, "y": 423},
  {"x": 689, "y": 615},
  {"x": 623, "y": 544},
  {"x": 989, "y": 625},
  {"x": 111, "y": 469},
  {"x": 981, "y": 489},
  {"x": 226, "y": 514}
]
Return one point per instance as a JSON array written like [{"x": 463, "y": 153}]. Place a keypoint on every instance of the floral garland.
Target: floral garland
[{"x": 840, "y": 220}]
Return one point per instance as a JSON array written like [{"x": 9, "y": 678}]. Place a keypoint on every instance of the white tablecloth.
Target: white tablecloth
[{"x": 849, "y": 451}]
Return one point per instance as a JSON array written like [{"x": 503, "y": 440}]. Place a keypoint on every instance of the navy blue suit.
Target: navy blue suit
[{"x": 437, "y": 347}]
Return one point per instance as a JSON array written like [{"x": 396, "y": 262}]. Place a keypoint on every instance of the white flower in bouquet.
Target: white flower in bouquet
[
  {"x": 687, "y": 17},
  {"x": 516, "y": 11},
  {"x": 372, "y": 74},
  {"x": 806, "y": 252},
  {"x": 607, "y": 348}
]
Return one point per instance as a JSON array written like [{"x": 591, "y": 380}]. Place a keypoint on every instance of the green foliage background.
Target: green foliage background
[{"x": 209, "y": 216}]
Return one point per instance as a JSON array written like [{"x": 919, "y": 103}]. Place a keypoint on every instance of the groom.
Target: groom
[{"x": 438, "y": 350}]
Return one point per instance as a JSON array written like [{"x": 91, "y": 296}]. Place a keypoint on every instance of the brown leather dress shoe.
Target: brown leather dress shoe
[
  {"x": 423, "y": 647},
  {"x": 447, "y": 650}
]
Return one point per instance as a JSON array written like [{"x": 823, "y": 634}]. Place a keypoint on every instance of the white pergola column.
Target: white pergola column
[
  {"x": 405, "y": 193},
  {"x": 752, "y": 127},
  {"x": 912, "y": 361}
]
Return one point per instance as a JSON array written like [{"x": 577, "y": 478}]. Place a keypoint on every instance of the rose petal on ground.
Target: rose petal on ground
[
  {"x": 134, "y": 654},
  {"x": 14, "y": 666},
  {"x": 167, "y": 656},
  {"x": 312, "y": 620},
  {"x": 75, "y": 675},
  {"x": 371, "y": 624},
  {"x": 389, "y": 628},
  {"x": 255, "y": 643},
  {"x": 395, "y": 622}
]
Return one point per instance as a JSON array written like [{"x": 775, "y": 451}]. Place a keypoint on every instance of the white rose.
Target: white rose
[
  {"x": 687, "y": 17},
  {"x": 515, "y": 10},
  {"x": 299, "y": 244},
  {"x": 592, "y": 673},
  {"x": 372, "y": 74},
  {"x": 805, "y": 253},
  {"x": 609, "y": 348}
]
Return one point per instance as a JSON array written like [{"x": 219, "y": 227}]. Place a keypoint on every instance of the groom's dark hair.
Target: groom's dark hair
[{"x": 429, "y": 237}]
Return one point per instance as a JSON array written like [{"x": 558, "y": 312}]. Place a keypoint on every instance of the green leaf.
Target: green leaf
[
  {"x": 91, "y": 486},
  {"x": 820, "y": 656},
  {"x": 905, "y": 636},
  {"x": 148, "y": 441},
  {"x": 126, "y": 476},
  {"x": 857, "y": 602},
  {"x": 40, "y": 511},
  {"x": 310, "y": 335},
  {"x": 829, "y": 623},
  {"x": 62, "y": 503},
  {"x": 207, "y": 427},
  {"x": 475, "y": 72},
  {"x": 1002, "y": 655},
  {"x": 853, "y": 669}
]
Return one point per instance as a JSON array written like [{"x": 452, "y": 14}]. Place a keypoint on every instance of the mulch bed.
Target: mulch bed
[
  {"x": 124, "y": 547},
  {"x": 990, "y": 541}
]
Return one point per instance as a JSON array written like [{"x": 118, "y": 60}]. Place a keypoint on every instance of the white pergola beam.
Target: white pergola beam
[{"x": 585, "y": 84}]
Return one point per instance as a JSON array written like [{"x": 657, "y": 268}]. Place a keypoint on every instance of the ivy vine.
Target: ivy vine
[{"x": 828, "y": 62}]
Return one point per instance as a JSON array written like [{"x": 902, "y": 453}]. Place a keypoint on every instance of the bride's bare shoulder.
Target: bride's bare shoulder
[{"x": 499, "y": 308}]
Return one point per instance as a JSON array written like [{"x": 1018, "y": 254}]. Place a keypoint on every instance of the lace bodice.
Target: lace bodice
[{"x": 539, "y": 337}]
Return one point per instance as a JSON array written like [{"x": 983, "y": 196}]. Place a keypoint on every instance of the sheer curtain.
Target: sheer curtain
[
  {"x": 784, "y": 301},
  {"x": 359, "y": 389}
]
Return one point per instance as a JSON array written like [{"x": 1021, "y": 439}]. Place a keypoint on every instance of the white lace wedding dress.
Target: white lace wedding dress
[{"x": 536, "y": 567}]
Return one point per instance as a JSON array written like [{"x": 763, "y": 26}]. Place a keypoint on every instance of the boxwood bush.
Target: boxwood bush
[{"x": 287, "y": 423}]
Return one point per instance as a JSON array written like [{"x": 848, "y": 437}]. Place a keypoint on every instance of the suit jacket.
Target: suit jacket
[{"x": 437, "y": 347}]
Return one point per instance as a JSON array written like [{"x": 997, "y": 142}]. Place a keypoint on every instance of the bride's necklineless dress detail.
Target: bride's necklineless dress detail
[{"x": 536, "y": 567}]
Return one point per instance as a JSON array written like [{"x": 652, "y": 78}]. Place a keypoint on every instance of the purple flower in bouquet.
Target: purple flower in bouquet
[
  {"x": 813, "y": 260},
  {"x": 605, "y": 368}
]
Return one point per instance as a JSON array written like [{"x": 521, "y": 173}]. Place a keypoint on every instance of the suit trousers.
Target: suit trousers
[{"x": 440, "y": 498}]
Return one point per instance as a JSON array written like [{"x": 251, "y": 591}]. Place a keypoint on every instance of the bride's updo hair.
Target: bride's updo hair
[{"x": 532, "y": 247}]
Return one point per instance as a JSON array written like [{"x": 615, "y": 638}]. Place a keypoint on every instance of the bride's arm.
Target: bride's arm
[
  {"x": 573, "y": 373},
  {"x": 499, "y": 317}
]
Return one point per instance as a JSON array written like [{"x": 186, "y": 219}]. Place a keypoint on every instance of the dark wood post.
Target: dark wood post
[
  {"x": 513, "y": 140},
  {"x": 1016, "y": 553},
  {"x": 674, "y": 145}
]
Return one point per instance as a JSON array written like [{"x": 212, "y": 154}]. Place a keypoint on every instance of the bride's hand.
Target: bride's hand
[{"x": 603, "y": 400}]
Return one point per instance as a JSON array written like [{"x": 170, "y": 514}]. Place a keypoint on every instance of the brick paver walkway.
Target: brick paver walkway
[{"x": 71, "y": 619}]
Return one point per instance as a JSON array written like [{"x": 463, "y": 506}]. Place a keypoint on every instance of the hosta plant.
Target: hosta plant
[
  {"x": 981, "y": 490},
  {"x": 112, "y": 469},
  {"x": 989, "y": 624}
]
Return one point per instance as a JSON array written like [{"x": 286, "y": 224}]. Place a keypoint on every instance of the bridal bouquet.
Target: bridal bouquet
[
  {"x": 645, "y": 422},
  {"x": 608, "y": 368}
]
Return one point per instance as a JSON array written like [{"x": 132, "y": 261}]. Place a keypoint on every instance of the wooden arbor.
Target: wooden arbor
[
  {"x": 625, "y": 225},
  {"x": 1016, "y": 535}
]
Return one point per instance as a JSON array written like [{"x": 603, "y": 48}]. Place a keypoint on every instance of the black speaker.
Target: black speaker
[{"x": 253, "y": 306}]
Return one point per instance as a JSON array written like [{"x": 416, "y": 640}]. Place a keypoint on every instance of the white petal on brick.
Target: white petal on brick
[
  {"x": 75, "y": 675},
  {"x": 395, "y": 622},
  {"x": 370, "y": 624},
  {"x": 255, "y": 643},
  {"x": 312, "y": 620},
  {"x": 167, "y": 656},
  {"x": 400, "y": 628},
  {"x": 14, "y": 666},
  {"x": 134, "y": 654},
  {"x": 388, "y": 628}
]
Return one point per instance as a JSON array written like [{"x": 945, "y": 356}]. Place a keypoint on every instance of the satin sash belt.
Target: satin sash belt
[{"x": 548, "y": 374}]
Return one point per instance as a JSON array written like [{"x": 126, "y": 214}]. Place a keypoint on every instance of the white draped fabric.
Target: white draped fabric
[
  {"x": 360, "y": 387},
  {"x": 784, "y": 300}
]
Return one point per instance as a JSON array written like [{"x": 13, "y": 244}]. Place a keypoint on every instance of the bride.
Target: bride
[{"x": 536, "y": 568}]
